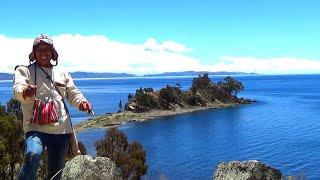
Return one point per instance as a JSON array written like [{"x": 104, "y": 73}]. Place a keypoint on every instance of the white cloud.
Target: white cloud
[
  {"x": 13, "y": 52},
  {"x": 100, "y": 54},
  {"x": 170, "y": 46},
  {"x": 277, "y": 65}
]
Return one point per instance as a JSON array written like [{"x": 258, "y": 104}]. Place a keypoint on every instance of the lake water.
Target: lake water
[{"x": 282, "y": 129}]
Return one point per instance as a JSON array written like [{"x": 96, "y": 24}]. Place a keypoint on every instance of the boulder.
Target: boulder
[
  {"x": 246, "y": 170},
  {"x": 84, "y": 167}
]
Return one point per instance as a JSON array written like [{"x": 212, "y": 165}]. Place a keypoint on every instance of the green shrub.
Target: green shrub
[
  {"x": 173, "y": 95},
  {"x": 11, "y": 145},
  {"x": 130, "y": 158},
  {"x": 231, "y": 86},
  {"x": 82, "y": 148},
  {"x": 14, "y": 108},
  {"x": 3, "y": 111},
  {"x": 201, "y": 82},
  {"x": 144, "y": 100}
]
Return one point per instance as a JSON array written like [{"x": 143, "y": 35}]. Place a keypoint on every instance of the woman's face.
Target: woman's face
[{"x": 43, "y": 54}]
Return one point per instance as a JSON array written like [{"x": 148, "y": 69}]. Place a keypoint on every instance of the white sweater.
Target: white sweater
[{"x": 25, "y": 75}]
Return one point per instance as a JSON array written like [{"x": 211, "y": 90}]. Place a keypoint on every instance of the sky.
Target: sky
[{"x": 143, "y": 36}]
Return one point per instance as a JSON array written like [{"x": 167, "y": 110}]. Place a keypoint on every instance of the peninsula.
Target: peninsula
[{"x": 147, "y": 104}]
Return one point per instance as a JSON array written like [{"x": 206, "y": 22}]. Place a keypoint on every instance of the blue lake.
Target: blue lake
[{"x": 282, "y": 129}]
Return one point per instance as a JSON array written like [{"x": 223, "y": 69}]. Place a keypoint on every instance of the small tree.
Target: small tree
[
  {"x": 169, "y": 95},
  {"x": 130, "y": 96},
  {"x": 120, "y": 106},
  {"x": 14, "y": 108},
  {"x": 178, "y": 85},
  {"x": 11, "y": 145},
  {"x": 201, "y": 82},
  {"x": 149, "y": 89},
  {"x": 82, "y": 148},
  {"x": 3, "y": 111},
  {"x": 130, "y": 158},
  {"x": 144, "y": 100},
  {"x": 231, "y": 86}
]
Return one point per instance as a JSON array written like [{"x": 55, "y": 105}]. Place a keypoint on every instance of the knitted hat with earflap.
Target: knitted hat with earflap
[{"x": 43, "y": 39}]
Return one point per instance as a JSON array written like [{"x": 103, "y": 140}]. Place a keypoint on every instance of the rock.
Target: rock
[
  {"x": 246, "y": 170},
  {"x": 84, "y": 167},
  {"x": 245, "y": 101}
]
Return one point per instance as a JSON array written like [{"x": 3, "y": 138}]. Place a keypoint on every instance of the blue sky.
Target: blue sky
[{"x": 211, "y": 29}]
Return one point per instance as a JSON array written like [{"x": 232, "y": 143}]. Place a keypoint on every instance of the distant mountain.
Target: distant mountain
[
  {"x": 196, "y": 73},
  {"x": 6, "y": 76},
  {"x": 99, "y": 75}
]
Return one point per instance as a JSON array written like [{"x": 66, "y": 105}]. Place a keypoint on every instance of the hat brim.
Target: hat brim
[{"x": 32, "y": 56}]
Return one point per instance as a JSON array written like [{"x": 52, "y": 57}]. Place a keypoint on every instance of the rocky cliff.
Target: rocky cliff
[{"x": 246, "y": 170}]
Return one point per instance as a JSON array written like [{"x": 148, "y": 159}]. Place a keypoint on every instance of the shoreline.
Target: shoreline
[{"x": 120, "y": 118}]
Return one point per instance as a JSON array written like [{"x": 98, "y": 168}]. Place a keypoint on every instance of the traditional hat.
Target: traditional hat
[{"x": 43, "y": 38}]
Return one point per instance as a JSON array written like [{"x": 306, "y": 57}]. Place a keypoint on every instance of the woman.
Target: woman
[{"x": 46, "y": 122}]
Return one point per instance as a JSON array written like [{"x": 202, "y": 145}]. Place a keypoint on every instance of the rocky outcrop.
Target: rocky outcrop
[
  {"x": 84, "y": 167},
  {"x": 246, "y": 170},
  {"x": 245, "y": 101}
]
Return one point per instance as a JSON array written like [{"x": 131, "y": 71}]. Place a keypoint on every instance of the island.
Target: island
[{"x": 147, "y": 104}]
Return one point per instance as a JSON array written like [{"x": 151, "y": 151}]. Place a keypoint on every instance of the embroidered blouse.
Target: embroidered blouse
[{"x": 25, "y": 75}]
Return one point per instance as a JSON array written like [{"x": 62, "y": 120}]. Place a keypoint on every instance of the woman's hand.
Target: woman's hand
[
  {"x": 30, "y": 91},
  {"x": 85, "y": 106}
]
